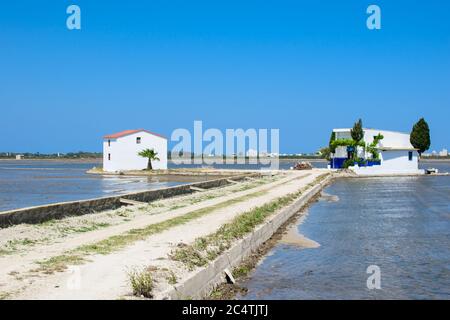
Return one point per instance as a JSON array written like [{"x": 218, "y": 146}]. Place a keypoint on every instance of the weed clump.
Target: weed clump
[{"x": 142, "y": 283}]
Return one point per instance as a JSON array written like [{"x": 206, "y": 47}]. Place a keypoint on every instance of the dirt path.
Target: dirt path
[
  {"x": 17, "y": 264},
  {"x": 10, "y": 263},
  {"x": 105, "y": 276}
]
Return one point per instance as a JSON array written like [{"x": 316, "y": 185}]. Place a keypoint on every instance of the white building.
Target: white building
[
  {"x": 443, "y": 153},
  {"x": 396, "y": 154},
  {"x": 120, "y": 150}
]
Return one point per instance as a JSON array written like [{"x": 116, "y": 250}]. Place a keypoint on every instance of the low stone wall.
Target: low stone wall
[
  {"x": 44, "y": 213},
  {"x": 203, "y": 281}
]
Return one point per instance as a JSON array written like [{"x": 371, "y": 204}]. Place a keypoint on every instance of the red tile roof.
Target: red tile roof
[{"x": 128, "y": 132}]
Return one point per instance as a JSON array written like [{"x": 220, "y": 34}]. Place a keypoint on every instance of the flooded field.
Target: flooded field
[
  {"x": 400, "y": 225},
  {"x": 29, "y": 183}
]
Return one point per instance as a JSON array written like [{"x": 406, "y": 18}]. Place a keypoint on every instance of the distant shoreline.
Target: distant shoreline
[
  {"x": 101, "y": 159},
  {"x": 57, "y": 159},
  {"x": 434, "y": 160},
  {"x": 86, "y": 160}
]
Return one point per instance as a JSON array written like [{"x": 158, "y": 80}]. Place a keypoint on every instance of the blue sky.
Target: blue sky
[{"x": 301, "y": 66}]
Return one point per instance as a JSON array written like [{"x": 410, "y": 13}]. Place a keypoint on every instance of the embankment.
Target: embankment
[{"x": 39, "y": 214}]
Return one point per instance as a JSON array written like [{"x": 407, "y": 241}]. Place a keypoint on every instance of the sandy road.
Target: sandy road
[{"x": 105, "y": 276}]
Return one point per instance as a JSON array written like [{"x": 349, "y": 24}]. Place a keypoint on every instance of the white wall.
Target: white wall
[
  {"x": 391, "y": 138},
  {"x": 398, "y": 160},
  {"x": 393, "y": 162},
  {"x": 341, "y": 152},
  {"x": 124, "y": 152}
]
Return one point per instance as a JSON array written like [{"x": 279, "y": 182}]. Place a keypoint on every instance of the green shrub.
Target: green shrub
[
  {"x": 141, "y": 283},
  {"x": 372, "y": 148},
  {"x": 361, "y": 161},
  {"x": 345, "y": 142},
  {"x": 348, "y": 163}
]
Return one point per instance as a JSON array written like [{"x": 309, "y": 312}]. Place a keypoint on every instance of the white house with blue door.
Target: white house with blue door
[{"x": 394, "y": 153}]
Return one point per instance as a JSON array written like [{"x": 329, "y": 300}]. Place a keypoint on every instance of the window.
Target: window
[
  {"x": 109, "y": 143},
  {"x": 109, "y": 156},
  {"x": 138, "y": 140},
  {"x": 410, "y": 155}
]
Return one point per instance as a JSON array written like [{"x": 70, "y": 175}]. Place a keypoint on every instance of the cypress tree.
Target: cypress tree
[
  {"x": 357, "y": 132},
  {"x": 420, "y": 136},
  {"x": 332, "y": 138}
]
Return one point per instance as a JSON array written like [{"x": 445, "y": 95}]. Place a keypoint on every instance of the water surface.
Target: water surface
[
  {"x": 401, "y": 225},
  {"x": 35, "y": 182},
  {"x": 29, "y": 183}
]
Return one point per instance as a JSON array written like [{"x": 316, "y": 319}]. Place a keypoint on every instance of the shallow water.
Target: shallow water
[
  {"x": 401, "y": 225},
  {"x": 29, "y": 183},
  {"x": 282, "y": 165}
]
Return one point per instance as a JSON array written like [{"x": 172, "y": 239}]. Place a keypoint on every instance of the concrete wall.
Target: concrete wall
[
  {"x": 124, "y": 152},
  {"x": 44, "y": 213}
]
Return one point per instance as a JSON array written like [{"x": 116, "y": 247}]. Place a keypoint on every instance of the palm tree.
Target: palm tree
[{"x": 151, "y": 155}]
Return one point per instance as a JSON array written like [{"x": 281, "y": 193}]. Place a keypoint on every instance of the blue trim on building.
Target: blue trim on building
[{"x": 338, "y": 163}]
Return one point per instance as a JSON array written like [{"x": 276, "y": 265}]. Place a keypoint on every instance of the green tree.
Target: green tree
[
  {"x": 330, "y": 144},
  {"x": 420, "y": 136},
  {"x": 357, "y": 132},
  {"x": 325, "y": 153},
  {"x": 151, "y": 155}
]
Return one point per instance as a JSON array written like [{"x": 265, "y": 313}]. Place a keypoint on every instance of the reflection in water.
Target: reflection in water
[{"x": 401, "y": 225}]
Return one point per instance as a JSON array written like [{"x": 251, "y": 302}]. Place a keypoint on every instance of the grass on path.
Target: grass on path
[{"x": 117, "y": 242}]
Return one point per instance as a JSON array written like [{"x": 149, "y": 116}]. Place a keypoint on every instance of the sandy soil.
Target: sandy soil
[
  {"x": 293, "y": 237},
  {"x": 106, "y": 276}
]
